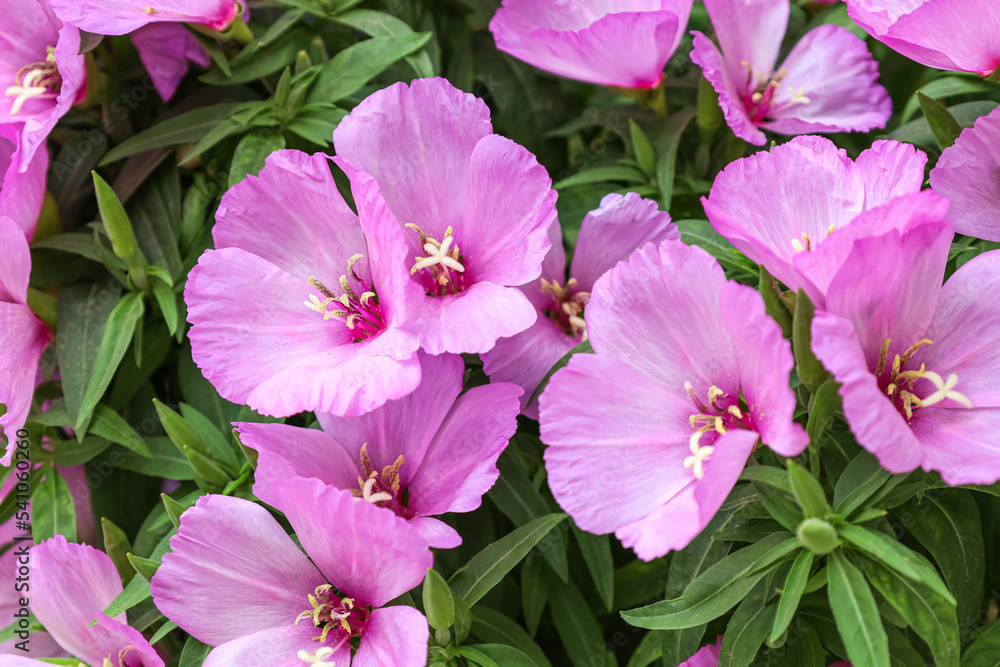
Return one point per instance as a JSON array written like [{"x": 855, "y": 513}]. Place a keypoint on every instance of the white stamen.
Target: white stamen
[
  {"x": 366, "y": 492},
  {"x": 319, "y": 658},
  {"x": 945, "y": 389}
]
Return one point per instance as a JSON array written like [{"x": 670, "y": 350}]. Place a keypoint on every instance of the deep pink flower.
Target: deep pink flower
[
  {"x": 475, "y": 208},
  {"x": 165, "y": 49},
  {"x": 41, "y": 71},
  {"x": 648, "y": 436},
  {"x": 23, "y": 336},
  {"x": 962, "y": 35},
  {"x": 21, "y": 193},
  {"x": 779, "y": 206},
  {"x": 428, "y": 453},
  {"x": 917, "y": 362},
  {"x": 71, "y": 585},
  {"x": 300, "y": 306},
  {"x": 968, "y": 174},
  {"x": 828, "y": 83},
  {"x": 236, "y": 581},
  {"x": 608, "y": 235},
  {"x": 119, "y": 17},
  {"x": 609, "y": 42}
]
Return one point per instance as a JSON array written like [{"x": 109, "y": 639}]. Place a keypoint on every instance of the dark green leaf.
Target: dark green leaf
[
  {"x": 666, "y": 145},
  {"x": 825, "y": 403},
  {"x": 985, "y": 651},
  {"x": 944, "y": 126},
  {"x": 701, "y": 234},
  {"x": 769, "y": 475},
  {"x": 353, "y": 67},
  {"x": 596, "y": 550},
  {"x": 808, "y": 491},
  {"x": 810, "y": 370},
  {"x": 859, "y": 482},
  {"x": 52, "y": 509},
  {"x": 536, "y": 579},
  {"x": 856, "y": 612},
  {"x": 264, "y": 60},
  {"x": 502, "y": 655},
  {"x": 116, "y": 222},
  {"x": 804, "y": 647},
  {"x": 748, "y": 627},
  {"x": 644, "y": 153},
  {"x": 493, "y": 627},
  {"x": 768, "y": 288},
  {"x": 251, "y": 152},
  {"x": 629, "y": 175},
  {"x": 576, "y": 625},
  {"x": 109, "y": 424},
  {"x": 381, "y": 24},
  {"x": 794, "y": 587},
  {"x": 167, "y": 461},
  {"x": 156, "y": 214}
]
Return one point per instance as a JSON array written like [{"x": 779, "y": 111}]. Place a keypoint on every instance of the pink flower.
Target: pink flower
[
  {"x": 826, "y": 84},
  {"x": 165, "y": 49},
  {"x": 428, "y": 453},
  {"x": 300, "y": 306},
  {"x": 623, "y": 43},
  {"x": 23, "y": 336},
  {"x": 41, "y": 72},
  {"x": 120, "y": 17},
  {"x": 648, "y": 436},
  {"x": 236, "y": 581},
  {"x": 608, "y": 235},
  {"x": 21, "y": 193},
  {"x": 917, "y": 362},
  {"x": 961, "y": 35},
  {"x": 475, "y": 208},
  {"x": 968, "y": 174},
  {"x": 71, "y": 585},
  {"x": 779, "y": 207},
  {"x": 707, "y": 656}
]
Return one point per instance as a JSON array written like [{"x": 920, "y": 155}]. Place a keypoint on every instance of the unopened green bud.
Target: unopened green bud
[{"x": 818, "y": 536}]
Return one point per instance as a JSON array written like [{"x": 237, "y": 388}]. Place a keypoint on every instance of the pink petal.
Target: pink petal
[
  {"x": 15, "y": 267},
  {"x": 749, "y": 31},
  {"x": 59, "y": 567},
  {"x": 616, "y": 442},
  {"x": 675, "y": 524},
  {"x": 21, "y": 194},
  {"x": 873, "y": 419},
  {"x": 612, "y": 232},
  {"x": 365, "y": 551},
  {"x": 460, "y": 464},
  {"x": 525, "y": 358},
  {"x": 707, "y": 656},
  {"x": 285, "y": 451},
  {"x": 959, "y": 443},
  {"x": 968, "y": 174},
  {"x": 403, "y": 427},
  {"x": 23, "y": 338},
  {"x": 232, "y": 572},
  {"x": 765, "y": 361},
  {"x": 165, "y": 49},
  {"x": 30, "y": 27},
  {"x": 438, "y": 534},
  {"x": 395, "y": 636},
  {"x": 244, "y": 308},
  {"x": 662, "y": 304},
  {"x": 835, "y": 71},
  {"x": 275, "y": 647},
  {"x": 130, "y": 639},
  {"x": 763, "y": 202},
  {"x": 729, "y": 86},
  {"x": 625, "y": 48},
  {"x": 293, "y": 216},
  {"x": 891, "y": 169},
  {"x": 965, "y": 330},
  {"x": 119, "y": 17}
]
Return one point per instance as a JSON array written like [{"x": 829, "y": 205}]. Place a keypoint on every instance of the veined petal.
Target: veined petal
[
  {"x": 730, "y": 87},
  {"x": 275, "y": 647},
  {"x": 395, "y": 636},
  {"x": 438, "y": 534},
  {"x": 960, "y": 443},
  {"x": 891, "y": 169},
  {"x": 749, "y": 31},
  {"x": 165, "y": 49},
  {"x": 22, "y": 193},
  {"x": 23, "y": 338},
  {"x": 119, "y": 17}
]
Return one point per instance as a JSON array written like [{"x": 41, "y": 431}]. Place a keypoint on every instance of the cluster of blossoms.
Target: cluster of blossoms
[{"x": 360, "y": 314}]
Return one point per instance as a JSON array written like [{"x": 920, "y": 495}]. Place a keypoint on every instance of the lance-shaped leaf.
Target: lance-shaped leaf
[
  {"x": 856, "y": 613},
  {"x": 810, "y": 370},
  {"x": 788, "y": 602},
  {"x": 117, "y": 546}
]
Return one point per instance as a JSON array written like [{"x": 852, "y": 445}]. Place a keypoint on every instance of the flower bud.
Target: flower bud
[{"x": 818, "y": 536}]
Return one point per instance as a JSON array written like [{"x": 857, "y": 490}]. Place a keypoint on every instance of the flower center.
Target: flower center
[
  {"x": 567, "y": 309},
  {"x": 806, "y": 245},
  {"x": 380, "y": 488},
  {"x": 441, "y": 266},
  {"x": 362, "y": 315},
  {"x": 331, "y": 613},
  {"x": 720, "y": 414},
  {"x": 760, "y": 104},
  {"x": 124, "y": 658},
  {"x": 41, "y": 80},
  {"x": 898, "y": 383}
]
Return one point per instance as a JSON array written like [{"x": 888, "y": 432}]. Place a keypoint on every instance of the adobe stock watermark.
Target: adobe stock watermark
[{"x": 22, "y": 543}]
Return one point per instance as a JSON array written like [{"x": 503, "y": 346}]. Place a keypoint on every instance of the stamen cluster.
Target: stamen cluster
[
  {"x": 442, "y": 261},
  {"x": 379, "y": 488},
  {"x": 720, "y": 414},
  {"x": 39, "y": 79},
  {"x": 897, "y": 383},
  {"x": 330, "y": 612},
  {"x": 362, "y": 314},
  {"x": 567, "y": 311}
]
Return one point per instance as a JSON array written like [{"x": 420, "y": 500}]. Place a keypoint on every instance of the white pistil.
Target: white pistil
[
  {"x": 438, "y": 254},
  {"x": 799, "y": 96},
  {"x": 804, "y": 244},
  {"x": 366, "y": 492},
  {"x": 25, "y": 90},
  {"x": 695, "y": 463},
  {"x": 945, "y": 389},
  {"x": 320, "y": 658}
]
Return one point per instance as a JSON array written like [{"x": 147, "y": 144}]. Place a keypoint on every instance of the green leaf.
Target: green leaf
[
  {"x": 644, "y": 153},
  {"x": 194, "y": 653},
  {"x": 596, "y": 551},
  {"x": 944, "y": 126},
  {"x": 748, "y": 628},
  {"x": 116, "y": 222},
  {"x": 617, "y": 173},
  {"x": 182, "y": 129},
  {"x": 578, "y": 629},
  {"x": 439, "y": 603},
  {"x": 794, "y": 587},
  {"x": 382, "y": 24},
  {"x": 167, "y": 461},
  {"x": 173, "y": 509},
  {"x": 856, "y": 613},
  {"x": 768, "y": 288},
  {"x": 267, "y": 59},
  {"x": 73, "y": 453},
  {"x": 251, "y": 152},
  {"x": 947, "y": 86},
  {"x": 316, "y": 122},
  {"x": 918, "y": 132},
  {"x": 236, "y": 123},
  {"x": 859, "y": 482},
  {"x": 206, "y": 472},
  {"x": 52, "y": 509},
  {"x": 810, "y": 370},
  {"x": 779, "y": 506},
  {"x": 117, "y": 546},
  {"x": 581, "y": 348},
  {"x": 167, "y": 300},
  {"x": 713, "y": 593},
  {"x": 117, "y": 337},
  {"x": 890, "y": 553},
  {"x": 109, "y": 424},
  {"x": 144, "y": 567},
  {"x": 493, "y": 627},
  {"x": 155, "y": 210},
  {"x": 825, "y": 403},
  {"x": 179, "y": 430},
  {"x": 219, "y": 447},
  {"x": 536, "y": 580},
  {"x": 808, "y": 491},
  {"x": 769, "y": 475},
  {"x": 985, "y": 650},
  {"x": 931, "y": 616},
  {"x": 701, "y": 234},
  {"x": 83, "y": 311},
  {"x": 666, "y": 144},
  {"x": 518, "y": 499},
  {"x": 808, "y": 650},
  {"x": 485, "y": 570},
  {"x": 650, "y": 649},
  {"x": 502, "y": 655},
  {"x": 947, "y": 523},
  {"x": 356, "y": 65}
]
